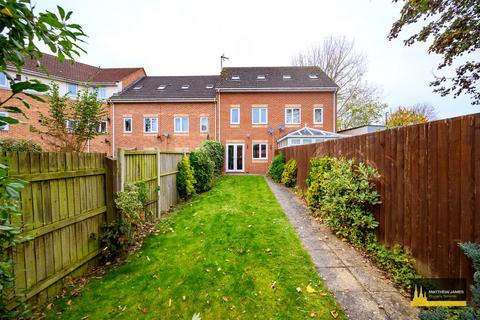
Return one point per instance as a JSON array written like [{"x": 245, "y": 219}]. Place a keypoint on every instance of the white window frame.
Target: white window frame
[
  {"x": 314, "y": 119},
  {"x": 299, "y": 115},
  {"x": 124, "y": 124},
  {"x": 68, "y": 89},
  {"x": 104, "y": 90},
  {"x": 7, "y": 126},
  {"x": 100, "y": 127},
  {"x": 68, "y": 124},
  {"x": 5, "y": 84},
  {"x": 260, "y": 151},
  {"x": 181, "y": 124},
  {"x": 145, "y": 124},
  {"x": 231, "y": 113},
  {"x": 207, "y": 125},
  {"x": 259, "y": 115}
]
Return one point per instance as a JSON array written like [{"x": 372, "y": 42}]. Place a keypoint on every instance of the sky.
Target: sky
[{"x": 187, "y": 37}]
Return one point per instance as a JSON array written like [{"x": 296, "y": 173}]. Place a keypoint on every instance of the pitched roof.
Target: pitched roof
[
  {"x": 173, "y": 88},
  {"x": 275, "y": 78},
  {"x": 76, "y": 71}
]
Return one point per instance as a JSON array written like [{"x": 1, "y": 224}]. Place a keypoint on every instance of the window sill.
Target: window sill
[
  {"x": 180, "y": 133},
  {"x": 234, "y": 125},
  {"x": 259, "y": 160},
  {"x": 263, "y": 125},
  {"x": 318, "y": 124},
  {"x": 292, "y": 125},
  {"x": 150, "y": 133}
]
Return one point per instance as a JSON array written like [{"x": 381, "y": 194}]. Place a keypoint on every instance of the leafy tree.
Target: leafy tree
[
  {"x": 203, "y": 170},
  {"x": 69, "y": 125},
  {"x": 358, "y": 101},
  {"x": 454, "y": 27},
  {"x": 185, "y": 178},
  {"x": 21, "y": 31},
  {"x": 403, "y": 116}
]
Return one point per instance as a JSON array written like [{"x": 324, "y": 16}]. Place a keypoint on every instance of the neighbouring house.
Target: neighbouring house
[
  {"x": 306, "y": 135},
  {"x": 71, "y": 77},
  {"x": 247, "y": 109},
  {"x": 363, "y": 129}
]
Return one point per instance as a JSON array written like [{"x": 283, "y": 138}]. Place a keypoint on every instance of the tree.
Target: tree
[
  {"x": 403, "y": 116},
  {"x": 454, "y": 26},
  {"x": 358, "y": 101},
  {"x": 21, "y": 30},
  {"x": 69, "y": 125}
]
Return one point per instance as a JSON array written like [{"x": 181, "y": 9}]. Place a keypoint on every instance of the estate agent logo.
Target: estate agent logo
[{"x": 439, "y": 293}]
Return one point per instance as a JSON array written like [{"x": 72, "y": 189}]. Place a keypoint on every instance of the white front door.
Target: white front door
[{"x": 235, "y": 158}]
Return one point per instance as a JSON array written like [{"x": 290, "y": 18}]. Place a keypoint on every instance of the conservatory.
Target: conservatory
[{"x": 306, "y": 135}]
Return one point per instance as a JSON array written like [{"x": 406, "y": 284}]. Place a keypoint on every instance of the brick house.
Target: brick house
[
  {"x": 70, "y": 77},
  {"x": 247, "y": 109}
]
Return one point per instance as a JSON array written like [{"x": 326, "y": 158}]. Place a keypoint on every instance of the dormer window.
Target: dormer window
[
  {"x": 287, "y": 77},
  {"x": 261, "y": 77},
  {"x": 138, "y": 87},
  {"x": 162, "y": 87},
  {"x": 185, "y": 86},
  {"x": 313, "y": 76},
  {"x": 209, "y": 86},
  {"x": 235, "y": 77}
]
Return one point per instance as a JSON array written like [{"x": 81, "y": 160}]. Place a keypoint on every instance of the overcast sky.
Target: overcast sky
[{"x": 188, "y": 37}]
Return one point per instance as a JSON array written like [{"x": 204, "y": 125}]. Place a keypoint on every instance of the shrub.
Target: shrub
[
  {"x": 289, "y": 175},
  {"x": 21, "y": 145},
  {"x": 185, "y": 178},
  {"x": 275, "y": 169},
  {"x": 216, "y": 152},
  {"x": 204, "y": 170},
  {"x": 314, "y": 194}
]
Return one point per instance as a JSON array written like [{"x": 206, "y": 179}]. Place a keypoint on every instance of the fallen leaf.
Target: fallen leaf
[
  {"x": 148, "y": 258},
  {"x": 184, "y": 298},
  {"x": 273, "y": 286},
  {"x": 196, "y": 316},
  {"x": 69, "y": 302},
  {"x": 313, "y": 315},
  {"x": 169, "y": 302},
  {"x": 49, "y": 306},
  {"x": 225, "y": 299},
  {"x": 310, "y": 289},
  {"x": 299, "y": 289},
  {"x": 334, "y": 313}
]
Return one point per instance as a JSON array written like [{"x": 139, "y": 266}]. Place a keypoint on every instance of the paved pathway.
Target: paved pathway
[{"x": 359, "y": 287}]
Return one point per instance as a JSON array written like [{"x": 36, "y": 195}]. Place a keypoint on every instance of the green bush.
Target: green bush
[
  {"x": 21, "y": 145},
  {"x": 314, "y": 194},
  {"x": 216, "y": 152},
  {"x": 204, "y": 170},
  {"x": 185, "y": 178},
  {"x": 289, "y": 175},
  {"x": 275, "y": 169}
]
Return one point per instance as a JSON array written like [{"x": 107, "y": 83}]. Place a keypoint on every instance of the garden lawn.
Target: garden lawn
[{"x": 230, "y": 253}]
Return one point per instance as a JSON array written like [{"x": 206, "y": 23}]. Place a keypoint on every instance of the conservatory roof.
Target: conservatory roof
[{"x": 307, "y": 132}]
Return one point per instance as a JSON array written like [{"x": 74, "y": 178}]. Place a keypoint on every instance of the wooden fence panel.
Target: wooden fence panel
[
  {"x": 430, "y": 187},
  {"x": 63, "y": 207}
]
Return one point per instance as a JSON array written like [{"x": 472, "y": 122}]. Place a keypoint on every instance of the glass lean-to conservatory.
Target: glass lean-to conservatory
[{"x": 306, "y": 135}]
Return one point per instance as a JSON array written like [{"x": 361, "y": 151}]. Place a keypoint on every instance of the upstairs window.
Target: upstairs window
[
  {"x": 4, "y": 127},
  {"x": 127, "y": 125},
  {"x": 102, "y": 127},
  {"x": 102, "y": 92},
  {"x": 150, "y": 125},
  {"x": 235, "y": 116},
  {"x": 318, "y": 115},
  {"x": 72, "y": 89},
  {"x": 259, "y": 115},
  {"x": 203, "y": 124},
  {"x": 235, "y": 77},
  {"x": 313, "y": 76},
  {"x": 209, "y": 86},
  {"x": 185, "y": 86},
  {"x": 138, "y": 87},
  {"x": 3, "y": 80},
  {"x": 162, "y": 87},
  {"x": 287, "y": 77},
  {"x": 292, "y": 115},
  {"x": 261, "y": 77},
  {"x": 181, "y": 124},
  {"x": 70, "y": 124}
]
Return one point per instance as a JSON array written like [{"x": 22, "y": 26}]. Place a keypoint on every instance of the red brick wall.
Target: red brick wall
[
  {"x": 132, "y": 77},
  {"x": 22, "y": 130},
  {"x": 165, "y": 112},
  {"x": 276, "y": 103}
]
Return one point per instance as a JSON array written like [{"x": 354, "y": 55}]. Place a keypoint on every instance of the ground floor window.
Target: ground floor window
[
  {"x": 4, "y": 127},
  {"x": 150, "y": 125},
  {"x": 259, "y": 151}
]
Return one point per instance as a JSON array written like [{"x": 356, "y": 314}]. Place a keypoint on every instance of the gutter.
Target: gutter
[
  {"x": 291, "y": 89},
  {"x": 164, "y": 100},
  {"x": 63, "y": 79}
]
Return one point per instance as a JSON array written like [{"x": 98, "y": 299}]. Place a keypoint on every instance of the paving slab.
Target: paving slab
[{"x": 358, "y": 286}]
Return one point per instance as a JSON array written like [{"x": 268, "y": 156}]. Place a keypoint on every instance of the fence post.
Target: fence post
[
  {"x": 110, "y": 188},
  {"x": 159, "y": 172},
  {"x": 121, "y": 169}
]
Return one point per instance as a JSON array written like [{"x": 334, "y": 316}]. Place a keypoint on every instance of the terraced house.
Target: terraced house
[{"x": 247, "y": 109}]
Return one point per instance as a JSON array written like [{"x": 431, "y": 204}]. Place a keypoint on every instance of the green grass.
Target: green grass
[{"x": 218, "y": 256}]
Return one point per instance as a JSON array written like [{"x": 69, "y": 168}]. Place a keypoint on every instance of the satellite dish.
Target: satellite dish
[
  {"x": 166, "y": 134},
  {"x": 270, "y": 131},
  {"x": 282, "y": 127}
]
